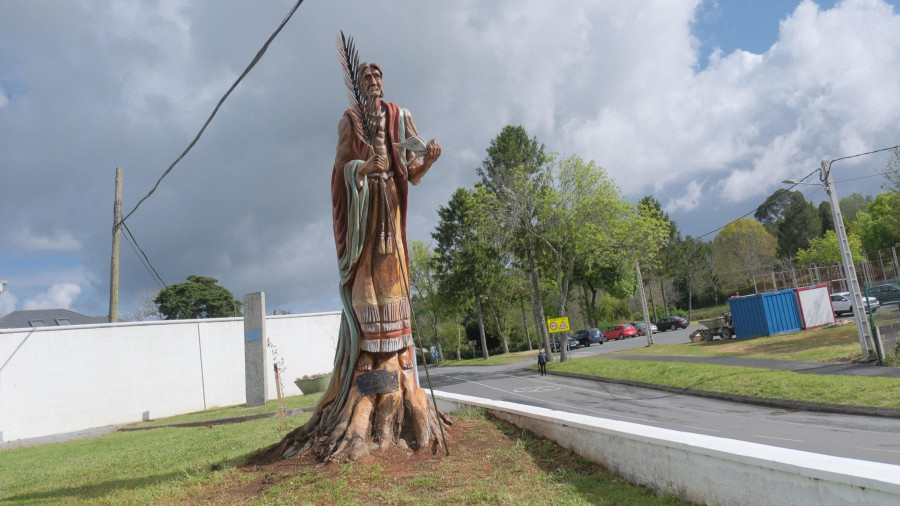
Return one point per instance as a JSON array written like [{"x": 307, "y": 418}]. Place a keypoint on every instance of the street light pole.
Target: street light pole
[{"x": 865, "y": 338}]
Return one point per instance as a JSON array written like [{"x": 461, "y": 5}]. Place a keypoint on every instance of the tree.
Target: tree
[
  {"x": 800, "y": 223},
  {"x": 466, "y": 260},
  {"x": 892, "y": 171},
  {"x": 826, "y": 216},
  {"x": 825, "y": 250},
  {"x": 148, "y": 310},
  {"x": 851, "y": 206},
  {"x": 772, "y": 210},
  {"x": 879, "y": 227},
  {"x": 693, "y": 269},
  {"x": 579, "y": 214},
  {"x": 661, "y": 268},
  {"x": 424, "y": 286},
  {"x": 742, "y": 249},
  {"x": 512, "y": 176},
  {"x": 790, "y": 218},
  {"x": 199, "y": 297}
]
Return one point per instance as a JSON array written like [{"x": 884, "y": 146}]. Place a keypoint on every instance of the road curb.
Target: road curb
[
  {"x": 746, "y": 399},
  {"x": 219, "y": 421}
]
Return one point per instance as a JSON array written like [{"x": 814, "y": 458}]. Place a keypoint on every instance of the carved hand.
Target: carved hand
[
  {"x": 375, "y": 164},
  {"x": 434, "y": 152}
]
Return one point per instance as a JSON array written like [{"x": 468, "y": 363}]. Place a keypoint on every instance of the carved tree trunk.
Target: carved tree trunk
[{"x": 384, "y": 407}]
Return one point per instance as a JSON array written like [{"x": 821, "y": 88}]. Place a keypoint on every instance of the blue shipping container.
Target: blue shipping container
[{"x": 765, "y": 314}]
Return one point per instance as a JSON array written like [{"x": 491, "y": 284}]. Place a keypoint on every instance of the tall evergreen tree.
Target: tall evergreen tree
[{"x": 466, "y": 260}]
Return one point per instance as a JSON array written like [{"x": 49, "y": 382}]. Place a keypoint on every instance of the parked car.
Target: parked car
[
  {"x": 588, "y": 337},
  {"x": 841, "y": 303},
  {"x": 641, "y": 327},
  {"x": 886, "y": 294},
  {"x": 672, "y": 323},
  {"x": 620, "y": 331},
  {"x": 554, "y": 344}
]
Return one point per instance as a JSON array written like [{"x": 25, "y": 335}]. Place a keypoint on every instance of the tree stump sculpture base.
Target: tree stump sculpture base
[{"x": 384, "y": 407}]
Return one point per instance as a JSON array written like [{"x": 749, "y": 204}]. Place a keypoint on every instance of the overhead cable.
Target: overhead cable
[{"x": 253, "y": 62}]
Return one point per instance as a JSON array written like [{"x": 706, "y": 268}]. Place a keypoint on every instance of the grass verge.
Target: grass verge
[
  {"x": 845, "y": 390},
  {"x": 491, "y": 462},
  {"x": 832, "y": 344},
  {"x": 292, "y": 402},
  {"x": 506, "y": 358}
]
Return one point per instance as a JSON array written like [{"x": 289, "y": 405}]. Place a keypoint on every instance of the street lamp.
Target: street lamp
[
  {"x": 865, "y": 337},
  {"x": 2, "y": 284}
]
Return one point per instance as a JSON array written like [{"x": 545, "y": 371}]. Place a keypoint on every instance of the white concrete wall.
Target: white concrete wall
[
  {"x": 699, "y": 468},
  {"x": 56, "y": 380}
]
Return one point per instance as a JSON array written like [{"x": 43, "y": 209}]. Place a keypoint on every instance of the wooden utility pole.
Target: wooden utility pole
[
  {"x": 114, "y": 262},
  {"x": 640, "y": 284}
]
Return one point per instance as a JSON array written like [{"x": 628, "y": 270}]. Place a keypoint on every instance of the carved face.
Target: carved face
[{"x": 370, "y": 80}]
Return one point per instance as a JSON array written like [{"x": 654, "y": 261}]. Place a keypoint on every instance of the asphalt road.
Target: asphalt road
[{"x": 854, "y": 436}]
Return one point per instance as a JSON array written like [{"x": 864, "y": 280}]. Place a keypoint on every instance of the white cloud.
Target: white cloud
[
  {"x": 8, "y": 302},
  {"x": 59, "y": 295},
  {"x": 58, "y": 240},
  {"x": 104, "y": 84},
  {"x": 692, "y": 197}
]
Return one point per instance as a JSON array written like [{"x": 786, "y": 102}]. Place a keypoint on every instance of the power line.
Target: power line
[
  {"x": 757, "y": 207},
  {"x": 867, "y": 153},
  {"x": 145, "y": 260},
  {"x": 804, "y": 178},
  {"x": 252, "y": 64},
  {"x": 877, "y": 174}
]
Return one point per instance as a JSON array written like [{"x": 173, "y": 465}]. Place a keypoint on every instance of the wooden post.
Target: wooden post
[
  {"x": 280, "y": 397},
  {"x": 646, "y": 312},
  {"x": 114, "y": 262}
]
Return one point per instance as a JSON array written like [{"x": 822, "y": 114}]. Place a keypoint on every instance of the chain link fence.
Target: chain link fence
[{"x": 876, "y": 268}]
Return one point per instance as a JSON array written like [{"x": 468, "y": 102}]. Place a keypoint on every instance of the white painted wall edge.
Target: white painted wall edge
[{"x": 701, "y": 468}]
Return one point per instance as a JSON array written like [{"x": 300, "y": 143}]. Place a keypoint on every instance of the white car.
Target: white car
[
  {"x": 841, "y": 303},
  {"x": 642, "y": 327}
]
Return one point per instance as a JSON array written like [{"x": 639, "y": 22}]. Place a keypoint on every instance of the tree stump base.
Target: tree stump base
[{"x": 383, "y": 407}]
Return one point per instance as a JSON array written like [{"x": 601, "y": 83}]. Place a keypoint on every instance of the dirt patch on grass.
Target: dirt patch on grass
[{"x": 490, "y": 462}]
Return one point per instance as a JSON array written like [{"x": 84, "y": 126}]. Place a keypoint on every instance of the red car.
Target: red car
[{"x": 620, "y": 331}]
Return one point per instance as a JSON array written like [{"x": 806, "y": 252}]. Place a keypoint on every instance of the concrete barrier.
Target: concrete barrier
[
  {"x": 699, "y": 468},
  {"x": 61, "y": 380}
]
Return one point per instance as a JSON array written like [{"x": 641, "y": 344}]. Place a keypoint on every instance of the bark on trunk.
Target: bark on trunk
[
  {"x": 536, "y": 299},
  {"x": 662, "y": 290},
  {"x": 525, "y": 324},
  {"x": 458, "y": 339},
  {"x": 368, "y": 421},
  {"x": 484, "y": 350},
  {"x": 503, "y": 339},
  {"x": 652, "y": 304}
]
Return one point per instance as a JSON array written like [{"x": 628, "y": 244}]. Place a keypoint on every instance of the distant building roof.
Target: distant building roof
[{"x": 47, "y": 318}]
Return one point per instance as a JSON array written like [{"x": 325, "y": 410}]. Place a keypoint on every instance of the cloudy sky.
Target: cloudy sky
[{"x": 705, "y": 104}]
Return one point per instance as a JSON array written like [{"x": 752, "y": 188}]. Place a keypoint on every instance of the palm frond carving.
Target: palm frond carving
[{"x": 362, "y": 108}]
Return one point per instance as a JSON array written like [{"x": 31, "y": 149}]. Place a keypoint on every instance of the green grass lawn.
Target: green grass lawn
[
  {"x": 491, "y": 462},
  {"x": 839, "y": 343},
  {"x": 500, "y": 359},
  {"x": 767, "y": 383},
  {"x": 832, "y": 344},
  {"x": 292, "y": 402}
]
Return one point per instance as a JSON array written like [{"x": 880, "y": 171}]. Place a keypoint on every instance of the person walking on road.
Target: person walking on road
[{"x": 542, "y": 362}]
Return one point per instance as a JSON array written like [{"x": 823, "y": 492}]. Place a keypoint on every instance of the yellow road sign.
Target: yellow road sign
[{"x": 558, "y": 324}]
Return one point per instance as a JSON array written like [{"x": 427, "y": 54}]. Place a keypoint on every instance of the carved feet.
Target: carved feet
[
  {"x": 366, "y": 360},
  {"x": 405, "y": 356}
]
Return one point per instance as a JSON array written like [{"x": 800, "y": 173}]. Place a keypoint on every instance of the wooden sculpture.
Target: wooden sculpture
[{"x": 374, "y": 399}]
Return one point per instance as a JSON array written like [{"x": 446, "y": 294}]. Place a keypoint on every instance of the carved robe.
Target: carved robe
[{"x": 368, "y": 234}]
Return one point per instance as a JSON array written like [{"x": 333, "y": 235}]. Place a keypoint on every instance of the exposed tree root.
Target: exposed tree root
[{"x": 365, "y": 423}]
